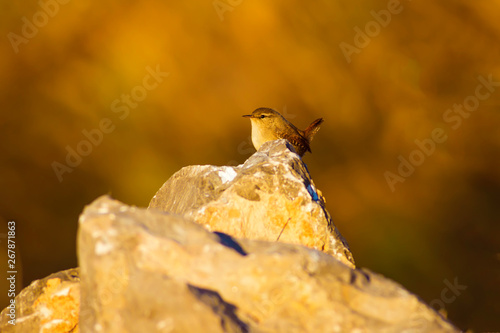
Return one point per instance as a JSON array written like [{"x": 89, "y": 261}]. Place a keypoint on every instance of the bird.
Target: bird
[{"x": 269, "y": 125}]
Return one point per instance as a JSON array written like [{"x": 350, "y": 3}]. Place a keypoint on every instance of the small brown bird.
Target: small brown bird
[{"x": 269, "y": 125}]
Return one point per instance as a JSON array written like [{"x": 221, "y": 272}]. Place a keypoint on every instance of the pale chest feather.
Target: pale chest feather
[{"x": 261, "y": 135}]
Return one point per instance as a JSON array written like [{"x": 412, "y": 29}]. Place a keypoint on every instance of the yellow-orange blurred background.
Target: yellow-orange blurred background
[{"x": 225, "y": 59}]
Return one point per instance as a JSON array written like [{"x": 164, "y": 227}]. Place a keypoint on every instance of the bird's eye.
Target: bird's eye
[{"x": 262, "y": 116}]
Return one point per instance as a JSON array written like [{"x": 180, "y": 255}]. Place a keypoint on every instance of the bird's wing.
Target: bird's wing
[{"x": 299, "y": 141}]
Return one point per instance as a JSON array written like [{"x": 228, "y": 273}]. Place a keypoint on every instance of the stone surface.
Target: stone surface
[
  {"x": 47, "y": 305},
  {"x": 151, "y": 271},
  {"x": 269, "y": 197}
]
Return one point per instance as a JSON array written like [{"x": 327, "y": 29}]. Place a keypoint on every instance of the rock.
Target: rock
[
  {"x": 151, "y": 271},
  {"x": 270, "y": 197},
  {"x": 47, "y": 305}
]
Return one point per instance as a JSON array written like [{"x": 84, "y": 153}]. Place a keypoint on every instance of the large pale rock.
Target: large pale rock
[
  {"x": 150, "y": 271},
  {"x": 47, "y": 305},
  {"x": 269, "y": 197}
]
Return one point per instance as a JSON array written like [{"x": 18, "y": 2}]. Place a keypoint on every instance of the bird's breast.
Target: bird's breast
[{"x": 261, "y": 135}]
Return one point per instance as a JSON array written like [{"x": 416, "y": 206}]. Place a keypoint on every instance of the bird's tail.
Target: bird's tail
[{"x": 312, "y": 129}]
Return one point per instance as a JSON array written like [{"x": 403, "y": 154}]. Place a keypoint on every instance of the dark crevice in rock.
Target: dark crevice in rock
[
  {"x": 229, "y": 242},
  {"x": 227, "y": 312}
]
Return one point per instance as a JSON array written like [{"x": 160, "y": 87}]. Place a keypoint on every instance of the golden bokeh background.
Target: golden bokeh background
[{"x": 65, "y": 66}]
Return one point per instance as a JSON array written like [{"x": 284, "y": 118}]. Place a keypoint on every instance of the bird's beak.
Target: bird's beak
[{"x": 247, "y": 116}]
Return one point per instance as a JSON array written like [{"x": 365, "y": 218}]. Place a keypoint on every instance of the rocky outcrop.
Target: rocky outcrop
[
  {"x": 220, "y": 249},
  {"x": 150, "y": 271},
  {"x": 269, "y": 197},
  {"x": 47, "y": 305}
]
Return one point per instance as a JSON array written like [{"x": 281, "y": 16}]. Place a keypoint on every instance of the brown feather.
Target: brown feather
[{"x": 312, "y": 129}]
